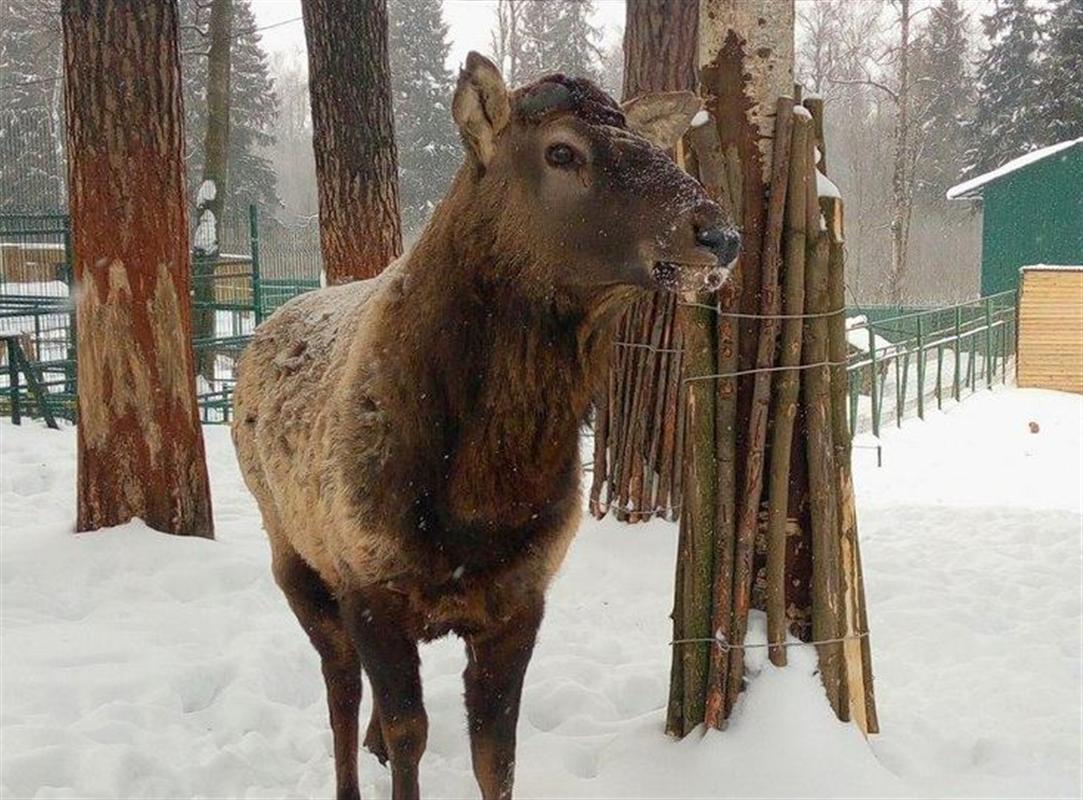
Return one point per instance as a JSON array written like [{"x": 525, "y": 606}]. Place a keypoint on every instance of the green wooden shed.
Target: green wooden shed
[{"x": 1032, "y": 213}]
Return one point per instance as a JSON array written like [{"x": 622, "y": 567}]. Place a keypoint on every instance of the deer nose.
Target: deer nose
[{"x": 724, "y": 242}]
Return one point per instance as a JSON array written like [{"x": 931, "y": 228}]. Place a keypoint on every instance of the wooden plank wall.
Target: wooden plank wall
[{"x": 1051, "y": 329}]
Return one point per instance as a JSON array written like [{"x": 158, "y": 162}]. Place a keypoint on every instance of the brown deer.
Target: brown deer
[{"x": 412, "y": 440}]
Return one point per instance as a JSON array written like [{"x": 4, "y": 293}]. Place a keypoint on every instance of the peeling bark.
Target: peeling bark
[{"x": 140, "y": 447}]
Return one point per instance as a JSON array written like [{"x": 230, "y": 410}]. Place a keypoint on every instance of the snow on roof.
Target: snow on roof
[
  {"x": 1052, "y": 268},
  {"x": 966, "y": 188}
]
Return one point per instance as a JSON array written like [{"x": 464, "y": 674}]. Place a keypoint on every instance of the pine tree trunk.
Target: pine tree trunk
[
  {"x": 659, "y": 46},
  {"x": 353, "y": 136},
  {"x": 215, "y": 166},
  {"x": 140, "y": 447}
]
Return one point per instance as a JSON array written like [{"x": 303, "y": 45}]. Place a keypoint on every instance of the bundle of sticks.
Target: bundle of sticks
[
  {"x": 638, "y": 431},
  {"x": 751, "y": 452}
]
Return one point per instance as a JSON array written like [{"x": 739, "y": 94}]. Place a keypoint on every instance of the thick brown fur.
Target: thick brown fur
[{"x": 412, "y": 440}]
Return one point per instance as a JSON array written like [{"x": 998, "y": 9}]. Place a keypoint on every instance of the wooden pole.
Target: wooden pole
[
  {"x": 786, "y": 388},
  {"x": 816, "y": 401},
  {"x": 752, "y": 484}
]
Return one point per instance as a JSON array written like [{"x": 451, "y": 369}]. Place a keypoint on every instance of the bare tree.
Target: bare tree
[
  {"x": 898, "y": 87},
  {"x": 506, "y": 40},
  {"x": 212, "y": 192},
  {"x": 140, "y": 447},
  {"x": 353, "y": 136}
]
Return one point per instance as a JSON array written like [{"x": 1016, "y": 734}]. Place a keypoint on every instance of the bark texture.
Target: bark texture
[
  {"x": 140, "y": 447},
  {"x": 353, "y": 137},
  {"x": 745, "y": 56},
  {"x": 659, "y": 46}
]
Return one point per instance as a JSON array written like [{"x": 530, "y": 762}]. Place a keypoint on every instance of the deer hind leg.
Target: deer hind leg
[
  {"x": 496, "y": 665},
  {"x": 375, "y": 618},
  {"x": 374, "y": 736},
  {"x": 318, "y": 612}
]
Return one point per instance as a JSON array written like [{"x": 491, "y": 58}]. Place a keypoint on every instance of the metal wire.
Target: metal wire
[
  {"x": 653, "y": 512},
  {"x": 652, "y": 348},
  {"x": 726, "y": 646},
  {"x": 740, "y": 315},
  {"x": 753, "y": 371}
]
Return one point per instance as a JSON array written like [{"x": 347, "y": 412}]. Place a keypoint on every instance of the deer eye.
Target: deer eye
[{"x": 560, "y": 155}]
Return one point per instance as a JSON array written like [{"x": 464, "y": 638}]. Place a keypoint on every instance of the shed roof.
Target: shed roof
[
  {"x": 971, "y": 187},
  {"x": 1052, "y": 268}
]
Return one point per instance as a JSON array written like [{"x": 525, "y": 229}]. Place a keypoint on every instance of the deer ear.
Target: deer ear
[
  {"x": 481, "y": 107},
  {"x": 662, "y": 117}
]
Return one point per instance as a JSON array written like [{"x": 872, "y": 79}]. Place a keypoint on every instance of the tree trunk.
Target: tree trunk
[
  {"x": 659, "y": 46},
  {"x": 211, "y": 198},
  {"x": 353, "y": 136},
  {"x": 900, "y": 179},
  {"x": 140, "y": 447},
  {"x": 746, "y": 54}
]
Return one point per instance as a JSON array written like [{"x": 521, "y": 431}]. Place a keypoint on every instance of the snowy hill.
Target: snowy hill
[{"x": 141, "y": 665}]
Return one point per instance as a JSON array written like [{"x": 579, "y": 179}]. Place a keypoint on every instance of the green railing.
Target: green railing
[{"x": 902, "y": 365}]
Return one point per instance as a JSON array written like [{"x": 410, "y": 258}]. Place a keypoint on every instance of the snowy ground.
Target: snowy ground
[{"x": 140, "y": 665}]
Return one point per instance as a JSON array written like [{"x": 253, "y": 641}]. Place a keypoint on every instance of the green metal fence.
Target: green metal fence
[
  {"x": 905, "y": 364},
  {"x": 261, "y": 264},
  {"x": 902, "y": 361}
]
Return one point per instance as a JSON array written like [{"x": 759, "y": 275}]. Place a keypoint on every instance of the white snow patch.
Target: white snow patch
[
  {"x": 825, "y": 187},
  {"x": 206, "y": 238},
  {"x": 142, "y": 665},
  {"x": 207, "y": 192},
  {"x": 965, "y": 188},
  {"x": 857, "y": 334},
  {"x": 701, "y": 118}
]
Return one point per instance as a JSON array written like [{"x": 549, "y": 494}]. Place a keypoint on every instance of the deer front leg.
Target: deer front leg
[
  {"x": 374, "y": 618},
  {"x": 496, "y": 665},
  {"x": 318, "y": 613}
]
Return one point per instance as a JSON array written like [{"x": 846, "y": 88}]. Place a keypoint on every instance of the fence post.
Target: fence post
[
  {"x": 958, "y": 348},
  {"x": 902, "y": 366},
  {"x": 69, "y": 278},
  {"x": 921, "y": 371},
  {"x": 253, "y": 235},
  {"x": 13, "y": 381},
  {"x": 972, "y": 364},
  {"x": 988, "y": 341},
  {"x": 872, "y": 382},
  {"x": 855, "y": 390}
]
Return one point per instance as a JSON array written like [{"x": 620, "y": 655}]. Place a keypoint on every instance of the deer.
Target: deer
[{"x": 412, "y": 439}]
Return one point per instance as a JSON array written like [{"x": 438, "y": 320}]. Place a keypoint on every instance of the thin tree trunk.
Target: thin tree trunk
[
  {"x": 212, "y": 192},
  {"x": 140, "y": 447},
  {"x": 353, "y": 136},
  {"x": 900, "y": 179}
]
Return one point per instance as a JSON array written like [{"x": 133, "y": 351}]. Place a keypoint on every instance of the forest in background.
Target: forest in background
[{"x": 918, "y": 95}]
